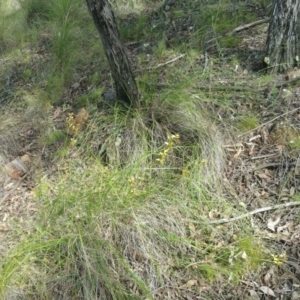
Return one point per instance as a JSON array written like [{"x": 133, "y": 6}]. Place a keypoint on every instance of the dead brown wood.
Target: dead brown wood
[{"x": 246, "y": 26}]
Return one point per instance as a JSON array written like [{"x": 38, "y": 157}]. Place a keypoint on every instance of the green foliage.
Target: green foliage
[
  {"x": 135, "y": 29},
  {"x": 229, "y": 42},
  {"x": 53, "y": 137},
  {"x": 246, "y": 123},
  {"x": 13, "y": 30},
  {"x": 160, "y": 49},
  {"x": 295, "y": 143}
]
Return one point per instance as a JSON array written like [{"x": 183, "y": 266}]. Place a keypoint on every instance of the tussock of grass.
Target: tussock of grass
[
  {"x": 132, "y": 228},
  {"x": 18, "y": 133}
]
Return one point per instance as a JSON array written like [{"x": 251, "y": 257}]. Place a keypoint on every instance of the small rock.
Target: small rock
[
  {"x": 109, "y": 99},
  {"x": 17, "y": 168},
  {"x": 145, "y": 48}
]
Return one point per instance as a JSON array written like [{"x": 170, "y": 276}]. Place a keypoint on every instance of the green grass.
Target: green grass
[
  {"x": 246, "y": 123},
  {"x": 97, "y": 223},
  {"x": 295, "y": 144}
]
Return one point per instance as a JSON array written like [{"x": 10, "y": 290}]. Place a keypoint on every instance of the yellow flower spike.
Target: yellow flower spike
[
  {"x": 169, "y": 144},
  {"x": 73, "y": 142},
  {"x": 279, "y": 259},
  {"x": 135, "y": 192},
  {"x": 283, "y": 257},
  {"x": 70, "y": 123},
  {"x": 131, "y": 180},
  {"x": 185, "y": 172}
]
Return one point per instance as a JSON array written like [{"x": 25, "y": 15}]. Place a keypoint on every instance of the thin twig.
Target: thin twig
[
  {"x": 243, "y": 27},
  {"x": 263, "y": 156},
  {"x": 266, "y": 123},
  {"x": 166, "y": 63},
  {"x": 245, "y": 88},
  {"x": 206, "y": 62},
  {"x": 267, "y": 188},
  {"x": 228, "y": 88},
  {"x": 285, "y": 83},
  {"x": 256, "y": 211},
  {"x": 265, "y": 166}
]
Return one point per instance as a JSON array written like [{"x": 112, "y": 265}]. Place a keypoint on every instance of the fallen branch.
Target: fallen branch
[
  {"x": 229, "y": 88},
  {"x": 166, "y": 63},
  {"x": 245, "y": 88},
  {"x": 240, "y": 28},
  {"x": 270, "y": 165},
  {"x": 256, "y": 211},
  {"x": 243, "y": 27}
]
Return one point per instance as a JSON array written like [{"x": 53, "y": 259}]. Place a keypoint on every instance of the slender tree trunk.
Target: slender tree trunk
[
  {"x": 282, "y": 48},
  {"x": 104, "y": 19}
]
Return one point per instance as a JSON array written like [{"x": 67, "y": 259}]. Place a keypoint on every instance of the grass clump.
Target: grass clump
[
  {"x": 246, "y": 123},
  {"x": 124, "y": 227},
  {"x": 295, "y": 143}
]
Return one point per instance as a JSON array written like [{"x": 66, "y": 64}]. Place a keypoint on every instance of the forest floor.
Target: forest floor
[{"x": 257, "y": 116}]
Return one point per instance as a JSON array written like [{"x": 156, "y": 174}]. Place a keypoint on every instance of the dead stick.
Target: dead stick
[
  {"x": 232, "y": 88},
  {"x": 243, "y": 27},
  {"x": 256, "y": 211},
  {"x": 166, "y": 63}
]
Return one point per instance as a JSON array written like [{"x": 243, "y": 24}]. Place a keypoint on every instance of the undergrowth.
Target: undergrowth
[
  {"x": 125, "y": 226},
  {"x": 126, "y": 214}
]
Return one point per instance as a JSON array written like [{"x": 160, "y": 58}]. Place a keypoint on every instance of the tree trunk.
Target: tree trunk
[
  {"x": 282, "y": 48},
  {"x": 104, "y": 19}
]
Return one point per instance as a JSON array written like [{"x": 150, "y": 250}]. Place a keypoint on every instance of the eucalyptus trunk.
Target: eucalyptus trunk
[
  {"x": 104, "y": 19},
  {"x": 282, "y": 48}
]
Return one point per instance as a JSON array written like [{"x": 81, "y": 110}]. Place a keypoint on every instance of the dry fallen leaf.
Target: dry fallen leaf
[
  {"x": 189, "y": 284},
  {"x": 269, "y": 275},
  {"x": 244, "y": 256},
  {"x": 272, "y": 223},
  {"x": 267, "y": 291},
  {"x": 253, "y": 295},
  {"x": 286, "y": 229}
]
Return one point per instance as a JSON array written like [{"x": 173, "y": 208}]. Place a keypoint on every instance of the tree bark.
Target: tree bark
[
  {"x": 104, "y": 19},
  {"x": 282, "y": 48}
]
